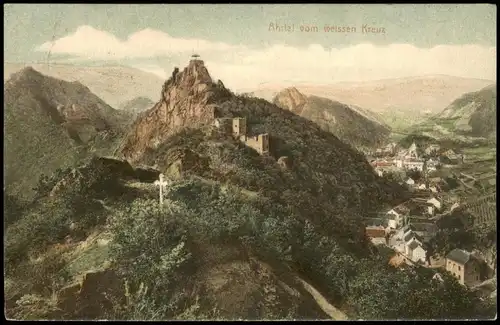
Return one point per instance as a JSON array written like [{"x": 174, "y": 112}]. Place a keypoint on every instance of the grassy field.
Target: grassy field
[
  {"x": 401, "y": 120},
  {"x": 480, "y": 153}
]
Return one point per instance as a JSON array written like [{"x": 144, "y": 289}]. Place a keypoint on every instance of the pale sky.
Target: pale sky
[{"x": 241, "y": 49}]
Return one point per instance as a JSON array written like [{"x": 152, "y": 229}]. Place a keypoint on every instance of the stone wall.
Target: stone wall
[
  {"x": 238, "y": 128},
  {"x": 260, "y": 143}
]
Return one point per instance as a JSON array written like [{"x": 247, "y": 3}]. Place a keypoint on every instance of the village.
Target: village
[{"x": 408, "y": 227}]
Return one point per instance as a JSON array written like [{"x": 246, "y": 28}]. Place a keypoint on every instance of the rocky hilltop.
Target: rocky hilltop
[
  {"x": 291, "y": 99},
  {"x": 188, "y": 99},
  {"x": 348, "y": 123}
]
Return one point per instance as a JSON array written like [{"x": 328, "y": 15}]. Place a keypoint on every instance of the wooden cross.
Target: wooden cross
[{"x": 161, "y": 183}]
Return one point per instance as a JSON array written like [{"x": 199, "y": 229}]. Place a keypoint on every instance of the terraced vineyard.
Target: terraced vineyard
[{"x": 483, "y": 209}]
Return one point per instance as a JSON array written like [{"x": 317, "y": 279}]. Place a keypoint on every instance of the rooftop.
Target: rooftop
[
  {"x": 407, "y": 227},
  {"x": 459, "y": 256},
  {"x": 411, "y": 236},
  {"x": 424, "y": 227}
]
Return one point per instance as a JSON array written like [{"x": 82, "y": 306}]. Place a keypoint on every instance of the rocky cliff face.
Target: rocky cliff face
[
  {"x": 291, "y": 99},
  {"x": 188, "y": 99}
]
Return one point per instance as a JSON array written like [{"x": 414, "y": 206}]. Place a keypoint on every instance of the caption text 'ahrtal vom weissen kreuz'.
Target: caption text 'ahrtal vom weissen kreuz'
[{"x": 326, "y": 28}]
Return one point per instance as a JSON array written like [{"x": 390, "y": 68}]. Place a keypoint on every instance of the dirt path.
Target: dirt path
[{"x": 330, "y": 310}]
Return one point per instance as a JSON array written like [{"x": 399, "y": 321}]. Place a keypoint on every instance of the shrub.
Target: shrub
[
  {"x": 35, "y": 231},
  {"x": 149, "y": 247}
]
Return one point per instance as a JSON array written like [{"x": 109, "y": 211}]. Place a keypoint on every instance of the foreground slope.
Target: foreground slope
[
  {"x": 347, "y": 123},
  {"x": 50, "y": 123}
]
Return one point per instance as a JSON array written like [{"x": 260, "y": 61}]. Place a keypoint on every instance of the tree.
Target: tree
[
  {"x": 410, "y": 294},
  {"x": 13, "y": 209}
]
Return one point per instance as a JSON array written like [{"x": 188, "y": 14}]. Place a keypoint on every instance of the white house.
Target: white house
[
  {"x": 395, "y": 218},
  {"x": 414, "y": 164},
  {"x": 435, "y": 202},
  {"x": 412, "y": 151},
  {"x": 406, "y": 241},
  {"x": 432, "y": 162},
  {"x": 393, "y": 223},
  {"x": 431, "y": 168},
  {"x": 398, "y": 162},
  {"x": 454, "y": 206},
  {"x": 393, "y": 212},
  {"x": 422, "y": 187},
  {"x": 433, "y": 189},
  {"x": 410, "y": 181},
  {"x": 415, "y": 251},
  {"x": 434, "y": 205}
]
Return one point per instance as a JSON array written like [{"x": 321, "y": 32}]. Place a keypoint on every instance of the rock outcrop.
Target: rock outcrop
[
  {"x": 350, "y": 124},
  {"x": 291, "y": 99},
  {"x": 94, "y": 174},
  {"x": 188, "y": 99},
  {"x": 91, "y": 297}
]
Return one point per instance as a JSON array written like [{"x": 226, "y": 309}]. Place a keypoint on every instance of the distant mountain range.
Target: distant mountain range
[
  {"x": 50, "y": 123},
  {"x": 356, "y": 126},
  {"x": 399, "y": 101},
  {"x": 113, "y": 84}
]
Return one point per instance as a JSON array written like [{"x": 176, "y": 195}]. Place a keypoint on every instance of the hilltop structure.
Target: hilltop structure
[{"x": 238, "y": 128}]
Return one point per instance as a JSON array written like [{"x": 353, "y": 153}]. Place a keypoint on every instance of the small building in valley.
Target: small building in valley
[
  {"x": 415, "y": 250},
  {"x": 433, "y": 206},
  {"x": 376, "y": 234},
  {"x": 464, "y": 266}
]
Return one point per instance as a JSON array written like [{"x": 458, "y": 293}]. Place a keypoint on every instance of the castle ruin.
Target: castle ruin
[{"x": 238, "y": 128}]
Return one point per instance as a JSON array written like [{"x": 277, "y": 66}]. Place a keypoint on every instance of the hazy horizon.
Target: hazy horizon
[{"x": 117, "y": 65}]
